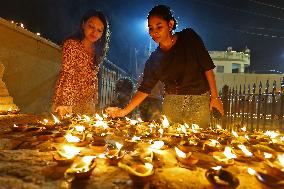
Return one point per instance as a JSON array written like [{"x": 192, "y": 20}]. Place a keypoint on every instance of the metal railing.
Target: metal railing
[
  {"x": 253, "y": 107},
  {"x": 108, "y": 75}
]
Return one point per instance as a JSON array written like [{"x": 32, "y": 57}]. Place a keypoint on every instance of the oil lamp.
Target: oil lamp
[
  {"x": 81, "y": 168},
  {"x": 276, "y": 168},
  {"x": 66, "y": 154},
  {"x": 140, "y": 174},
  {"x": 185, "y": 158},
  {"x": 225, "y": 158},
  {"x": 115, "y": 155},
  {"x": 221, "y": 178},
  {"x": 266, "y": 179},
  {"x": 211, "y": 145}
]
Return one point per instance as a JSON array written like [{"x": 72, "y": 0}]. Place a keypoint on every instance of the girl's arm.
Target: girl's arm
[{"x": 215, "y": 102}]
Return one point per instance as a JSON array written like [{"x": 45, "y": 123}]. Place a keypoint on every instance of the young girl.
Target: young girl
[
  {"x": 77, "y": 87},
  {"x": 183, "y": 64}
]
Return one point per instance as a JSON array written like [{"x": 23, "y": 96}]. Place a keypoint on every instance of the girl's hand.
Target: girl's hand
[
  {"x": 217, "y": 103},
  {"x": 115, "y": 112}
]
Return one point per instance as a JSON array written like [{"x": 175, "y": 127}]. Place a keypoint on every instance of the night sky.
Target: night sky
[{"x": 257, "y": 24}]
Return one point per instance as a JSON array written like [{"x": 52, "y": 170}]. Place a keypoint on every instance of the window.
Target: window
[
  {"x": 220, "y": 69},
  {"x": 236, "y": 68}
]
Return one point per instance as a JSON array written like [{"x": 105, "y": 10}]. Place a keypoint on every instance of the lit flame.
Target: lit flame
[
  {"x": 22, "y": 25},
  {"x": 244, "y": 128},
  {"x": 131, "y": 121},
  {"x": 105, "y": 116},
  {"x": 161, "y": 131},
  {"x": 98, "y": 117},
  {"x": 180, "y": 153},
  {"x": 87, "y": 118},
  {"x": 15, "y": 125},
  {"x": 71, "y": 138},
  {"x": 118, "y": 145},
  {"x": 217, "y": 168},
  {"x": 69, "y": 151},
  {"x": 245, "y": 150},
  {"x": 149, "y": 166},
  {"x": 102, "y": 156},
  {"x": 139, "y": 119},
  {"x": 79, "y": 128},
  {"x": 246, "y": 137},
  {"x": 228, "y": 153},
  {"x": 135, "y": 138},
  {"x": 267, "y": 155},
  {"x": 165, "y": 122},
  {"x": 56, "y": 120},
  {"x": 235, "y": 134},
  {"x": 88, "y": 159},
  {"x": 38, "y": 34},
  {"x": 281, "y": 159},
  {"x": 213, "y": 142},
  {"x": 219, "y": 127},
  {"x": 9, "y": 110},
  {"x": 271, "y": 134},
  {"x": 157, "y": 145},
  {"x": 100, "y": 123},
  {"x": 183, "y": 129},
  {"x": 45, "y": 121},
  {"x": 253, "y": 172},
  {"x": 195, "y": 128}
]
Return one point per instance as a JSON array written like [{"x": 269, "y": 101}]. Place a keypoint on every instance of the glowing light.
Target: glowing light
[
  {"x": 79, "y": 128},
  {"x": 87, "y": 118},
  {"x": 165, "y": 122},
  {"x": 69, "y": 151},
  {"x": 118, "y": 145},
  {"x": 217, "y": 168},
  {"x": 228, "y": 153},
  {"x": 71, "y": 138},
  {"x": 157, "y": 145},
  {"x": 235, "y": 134},
  {"x": 98, "y": 117},
  {"x": 135, "y": 138},
  {"x": 180, "y": 153},
  {"x": 56, "y": 120},
  {"x": 245, "y": 150},
  {"x": 267, "y": 155}
]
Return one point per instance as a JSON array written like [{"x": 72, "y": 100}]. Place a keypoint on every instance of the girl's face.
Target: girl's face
[
  {"x": 159, "y": 28},
  {"x": 93, "y": 29}
]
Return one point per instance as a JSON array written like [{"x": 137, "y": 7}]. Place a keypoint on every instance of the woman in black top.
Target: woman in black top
[{"x": 183, "y": 64}]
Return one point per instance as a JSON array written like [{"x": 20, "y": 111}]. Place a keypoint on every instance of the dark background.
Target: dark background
[{"x": 257, "y": 24}]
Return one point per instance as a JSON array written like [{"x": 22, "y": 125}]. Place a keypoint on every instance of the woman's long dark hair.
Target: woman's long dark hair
[
  {"x": 163, "y": 12},
  {"x": 102, "y": 45}
]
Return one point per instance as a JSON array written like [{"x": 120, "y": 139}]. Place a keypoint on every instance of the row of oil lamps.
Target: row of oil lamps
[{"x": 142, "y": 170}]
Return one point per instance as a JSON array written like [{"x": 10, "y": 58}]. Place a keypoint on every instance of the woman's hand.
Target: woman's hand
[
  {"x": 217, "y": 103},
  {"x": 115, "y": 112},
  {"x": 63, "y": 110}
]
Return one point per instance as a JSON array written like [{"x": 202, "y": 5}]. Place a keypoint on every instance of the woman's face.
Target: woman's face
[
  {"x": 159, "y": 28},
  {"x": 93, "y": 29}
]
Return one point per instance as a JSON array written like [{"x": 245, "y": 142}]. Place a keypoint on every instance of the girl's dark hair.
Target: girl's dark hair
[
  {"x": 102, "y": 45},
  {"x": 164, "y": 12}
]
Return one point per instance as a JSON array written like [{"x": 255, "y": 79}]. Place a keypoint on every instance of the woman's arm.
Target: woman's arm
[
  {"x": 214, "y": 101},
  {"x": 63, "y": 93},
  {"x": 135, "y": 101}
]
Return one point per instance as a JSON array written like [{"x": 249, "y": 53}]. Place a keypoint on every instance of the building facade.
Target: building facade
[{"x": 230, "y": 61}]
